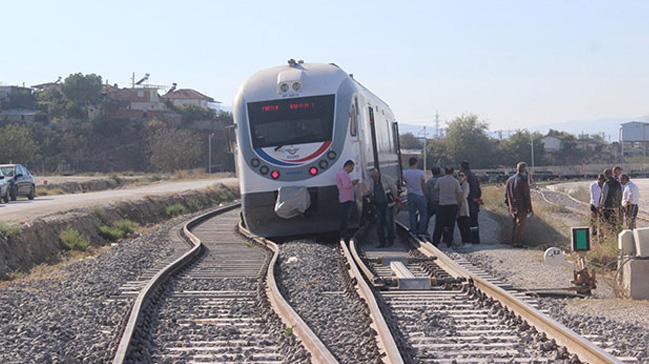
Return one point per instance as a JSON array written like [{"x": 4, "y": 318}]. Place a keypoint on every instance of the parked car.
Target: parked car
[
  {"x": 20, "y": 181},
  {"x": 4, "y": 188}
]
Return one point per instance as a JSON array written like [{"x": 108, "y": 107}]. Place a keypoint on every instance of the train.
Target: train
[{"x": 295, "y": 126}]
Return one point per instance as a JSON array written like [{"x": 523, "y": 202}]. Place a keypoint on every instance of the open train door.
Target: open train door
[
  {"x": 231, "y": 144},
  {"x": 397, "y": 143}
]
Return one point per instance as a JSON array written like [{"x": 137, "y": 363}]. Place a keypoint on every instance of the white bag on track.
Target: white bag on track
[{"x": 292, "y": 201}]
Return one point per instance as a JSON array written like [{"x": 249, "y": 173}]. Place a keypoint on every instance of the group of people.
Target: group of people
[
  {"x": 614, "y": 202},
  {"x": 449, "y": 199}
]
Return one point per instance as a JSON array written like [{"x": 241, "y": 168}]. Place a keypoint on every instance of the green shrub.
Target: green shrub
[
  {"x": 9, "y": 230},
  {"x": 111, "y": 233},
  {"x": 175, "y": 210},
  {"x": 126, "y": 226},
  {"x": 73, "y": 240}
]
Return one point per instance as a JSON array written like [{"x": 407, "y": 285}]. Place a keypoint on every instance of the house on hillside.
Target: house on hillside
[
  {"x": 187, "y": 97},
  {"x": 7, "y": 92},
  {"x": 137, "y": 103},
  {"x": 551, "y": 144}
]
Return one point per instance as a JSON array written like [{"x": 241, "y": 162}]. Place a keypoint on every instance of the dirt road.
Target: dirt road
[{"x": 25, "y": 210}]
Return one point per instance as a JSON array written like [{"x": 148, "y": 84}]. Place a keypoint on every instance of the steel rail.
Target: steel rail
[
  {"x": 584, "y": 349},
  {"x": 385, "y": 338},
  {"x": 161, "y": 276},
  {"x": 319, "y": 352}
]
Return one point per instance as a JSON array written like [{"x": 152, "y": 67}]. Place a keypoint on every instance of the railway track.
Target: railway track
[
  {"x": 431, "y": 308},
  {"x": 218, "y": 303}
]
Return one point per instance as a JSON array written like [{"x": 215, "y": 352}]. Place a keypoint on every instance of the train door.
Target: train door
[
  {"x": 375, "y": 151},
  {"x": 355, "y": 135}
]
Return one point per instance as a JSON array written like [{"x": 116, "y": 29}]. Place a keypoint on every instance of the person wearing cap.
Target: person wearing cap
[
  {"x": 519, "y": 201},
  {"x": 595, "y": 193},
  {"x": 474, "y": 200},
  {"x": 345, "y": 197},
  {"x": 630, "y": 200}
]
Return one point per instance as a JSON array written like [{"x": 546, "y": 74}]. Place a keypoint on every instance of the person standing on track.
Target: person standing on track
[
  {"x": 595, "y": 194},
  {"x": 463, "y": 215},
  {"x": 450, "y": 197},
  {"x": 416, "y": 185},
  {"x": 519, "y": 201},
  {"x": 630, "y": 200},
  {"x": 431, "y": 194},
  {"x": 474, "y": 201},
  {"x": 345, "y": 197},
  {"x": 383, "y": 195},
  {"x": 610, "y": 202}
]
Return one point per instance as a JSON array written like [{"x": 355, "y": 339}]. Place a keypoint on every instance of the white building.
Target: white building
[
  {"x": 188, "y": 97},
  {"x": 551, "y": 144}
]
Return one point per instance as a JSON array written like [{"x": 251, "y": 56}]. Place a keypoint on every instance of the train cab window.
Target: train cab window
[{"x": 301, "y": 120}]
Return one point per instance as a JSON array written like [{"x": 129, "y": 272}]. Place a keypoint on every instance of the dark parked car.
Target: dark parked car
[
  {"x": 20, "y": 181},
  {"x": 4, "y": 188}
]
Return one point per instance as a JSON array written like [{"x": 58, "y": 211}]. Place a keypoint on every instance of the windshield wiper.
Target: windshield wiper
[{"x": 279, "y": 146}]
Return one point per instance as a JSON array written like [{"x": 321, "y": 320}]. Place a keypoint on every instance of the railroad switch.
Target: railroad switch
[{"x": 584, "y": 281}]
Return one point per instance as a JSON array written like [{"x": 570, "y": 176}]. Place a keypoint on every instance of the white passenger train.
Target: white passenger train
[{"x": 296, "y": 125}]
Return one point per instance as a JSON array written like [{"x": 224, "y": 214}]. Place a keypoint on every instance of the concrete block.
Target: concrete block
[
  {"x": 641, "y": 236},
  {"x": 635, "y": 279},
  {"x": 626, "y": 242}
]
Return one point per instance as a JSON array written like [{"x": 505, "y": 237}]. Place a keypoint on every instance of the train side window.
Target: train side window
[{"x": 353, "y": 121}]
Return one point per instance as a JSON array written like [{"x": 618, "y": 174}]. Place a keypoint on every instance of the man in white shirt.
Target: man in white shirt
[
  {"x": 630, "y": 200},
  {"x": 416, "y": 185},
  {"x": 595, "y": 194}
]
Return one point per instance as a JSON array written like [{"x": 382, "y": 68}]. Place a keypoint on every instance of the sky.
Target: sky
[{"x": 516, "y": 64}]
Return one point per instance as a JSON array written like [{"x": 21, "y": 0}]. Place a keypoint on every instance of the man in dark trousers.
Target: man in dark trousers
[
  {"x": 345, "y": 197},
  {"x": 610, "y": 202},
  {"x": 384, "y": 194},
  {"x": 450, "y": 197},
  {"x": 519, "y": 201},
  {"x": 475, "y": 195}
]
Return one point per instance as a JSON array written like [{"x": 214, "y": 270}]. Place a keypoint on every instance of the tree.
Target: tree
[
  {"x": 518, "y": 149},
  {"x": 409, "y": 141},
  {"x": 193, "y": 113},
  {"x": 466, "y": 139},
  {"x": 172, "y": 149},
  {"x": 17, "y": 144},
  {"x": 80, "y": 91}
]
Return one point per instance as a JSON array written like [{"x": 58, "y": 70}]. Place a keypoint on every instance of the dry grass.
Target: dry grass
[
  {"x": 41, "y": 191},
  {"x": 582, "y": 194}
]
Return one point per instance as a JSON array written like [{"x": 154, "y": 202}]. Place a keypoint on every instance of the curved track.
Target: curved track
[
  {"x": 217, "y": 303},
  {"x": 464, "y": 316}
]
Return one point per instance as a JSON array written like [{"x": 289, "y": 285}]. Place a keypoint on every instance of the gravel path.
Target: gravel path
[
  {"x": 313, "y": 279},
  {"x": 76, "y": 313}
]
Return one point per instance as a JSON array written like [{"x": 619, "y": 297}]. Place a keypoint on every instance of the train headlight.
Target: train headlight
[
  {"x": 323, "y": 164},
  {"x": 296, "y": 86},
  {"x": 331, "y": 154},
  {"x": 313, "y": 171},
  {"x": 283, "y": 87},
  {"x": 263, "y": 170},
  {"x": 274, "y": 174},
  {"x": 255, "y": 162}
]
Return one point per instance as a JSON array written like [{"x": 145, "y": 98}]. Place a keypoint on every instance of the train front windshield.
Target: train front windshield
[{"x": 291, "y": 121}]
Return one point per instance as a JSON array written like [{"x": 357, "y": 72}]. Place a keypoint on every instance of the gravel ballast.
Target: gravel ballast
[
  {"x": 314, "y": 280},
  {"x": 76, "y": 313}
]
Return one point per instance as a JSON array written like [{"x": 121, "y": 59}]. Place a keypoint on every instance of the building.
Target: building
[
  {"x": 634, "y": 138},
  {"x": 8, "y": 92},
  {"x": 187, "y": 97},
  {"x": 135, "y": 103},
  {"x": 551, "y": 144}
]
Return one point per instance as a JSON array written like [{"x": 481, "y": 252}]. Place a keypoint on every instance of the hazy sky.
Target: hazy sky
[{"x": 514, "y": 63}]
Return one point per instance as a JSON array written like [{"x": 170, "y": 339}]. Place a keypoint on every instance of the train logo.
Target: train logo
[{"x": 292, "y": 155}]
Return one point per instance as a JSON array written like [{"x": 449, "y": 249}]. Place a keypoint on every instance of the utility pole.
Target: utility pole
[
  {"x": 209, "y": 153},
  {"x": 532, "y": 145},
  {"x": 437, "y": 135}
]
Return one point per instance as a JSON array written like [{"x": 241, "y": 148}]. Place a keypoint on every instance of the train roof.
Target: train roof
[{"x": 316, "y": 78}]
